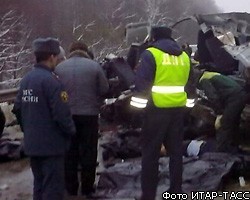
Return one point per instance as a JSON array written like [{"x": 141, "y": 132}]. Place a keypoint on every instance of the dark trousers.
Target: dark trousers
[
  {"x": 83, "y": 152},
  {"x": 227, "y": 135},
  {"x": 161, "y": 127},
  {"x": 48, "y": 177}
]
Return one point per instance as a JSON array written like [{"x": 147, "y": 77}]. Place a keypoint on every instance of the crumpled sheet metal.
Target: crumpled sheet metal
[
  {"x": 203, "y": 174},
  {"x": 235, "y": 22},
  {"x": 233, "y": 30}
]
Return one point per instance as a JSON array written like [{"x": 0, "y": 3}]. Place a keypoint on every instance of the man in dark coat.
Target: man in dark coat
[{"x": 41, "y": 107}]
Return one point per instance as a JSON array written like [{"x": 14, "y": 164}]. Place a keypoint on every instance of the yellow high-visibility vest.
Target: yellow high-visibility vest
[{"x": 171, "y": 76}]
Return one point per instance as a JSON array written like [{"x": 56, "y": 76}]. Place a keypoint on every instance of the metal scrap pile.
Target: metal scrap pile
[
  {"x": 230, "y": 51},
  {"x": 11, "y": 137}
]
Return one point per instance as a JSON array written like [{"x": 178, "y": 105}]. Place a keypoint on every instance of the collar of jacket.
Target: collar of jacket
[
  {"x": 39, "y": 65},
  {"x": 79, "y": 53}
]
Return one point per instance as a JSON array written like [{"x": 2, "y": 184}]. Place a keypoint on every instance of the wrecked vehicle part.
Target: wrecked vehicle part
[
  {"x": 136, "y": 36},
  {"x": 242, "y": 54},
  {"x": 120, "y": 75},
  {"x": 237, "y": 23},
  {"x": 116, "y": 106},
  {"x": 224, "y": 62},
  {"x": 118, "y": 111},
  {"x": 236, "y": 28},
  {"x": 224, "y": 40},
  {"x": 137, "y": 32},
  {"x": 210, "y": 50},
  {"x": 134, "y": 53},
  {"x": 125, "y": 74},
  {"x": 221, "y": 37}
]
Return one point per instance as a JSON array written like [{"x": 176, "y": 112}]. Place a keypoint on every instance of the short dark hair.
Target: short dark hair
[{"x": 78, "y": 45}]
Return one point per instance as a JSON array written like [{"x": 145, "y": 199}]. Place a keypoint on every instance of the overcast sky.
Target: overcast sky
[{"x": 234, "y": 5}]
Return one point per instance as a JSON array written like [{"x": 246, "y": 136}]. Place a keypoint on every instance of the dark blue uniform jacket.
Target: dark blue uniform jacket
[{"x": 41, "y": 108}]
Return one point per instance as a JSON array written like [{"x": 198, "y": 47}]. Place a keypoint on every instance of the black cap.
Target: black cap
[
  {"x": 160, "y": 32},
  {"x": 46, "y": 45}
]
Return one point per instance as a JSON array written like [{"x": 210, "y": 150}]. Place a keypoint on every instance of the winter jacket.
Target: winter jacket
[
  {"x": 145, "y": 73},
  {"x": 42, "y": 110},
  {"x": 220, "y": 89},
  {"x": 85, "y": 83}
]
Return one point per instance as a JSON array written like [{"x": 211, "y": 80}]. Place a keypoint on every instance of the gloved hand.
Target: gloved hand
[{"x": 217, "y": 123}]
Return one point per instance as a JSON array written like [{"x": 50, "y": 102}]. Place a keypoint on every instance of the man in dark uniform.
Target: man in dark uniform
[
  {"x": 227, "y": 98},
  {"x": 160, "y": 83},
  {"x": 42, "y": 110}
]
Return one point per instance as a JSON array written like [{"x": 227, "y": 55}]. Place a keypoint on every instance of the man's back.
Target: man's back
[
  {"x": 85, "y": 82},
  {"x": 215, "y": 83},
  {"x": 42, "y": 111},
  {"x": 38, "y": 100}
]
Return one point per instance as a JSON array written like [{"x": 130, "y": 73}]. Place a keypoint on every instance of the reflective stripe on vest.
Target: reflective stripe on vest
[
  {"x": 209, "y": 75},
  {"x": 168, "y": 89},
  {"x": 138, "y": 102},
  {"x": 171, "y": 76},
  {"x": 190, "y": 103}
]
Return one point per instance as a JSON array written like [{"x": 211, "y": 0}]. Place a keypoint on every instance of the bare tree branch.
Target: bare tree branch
[{"x": 14, "y": 35}]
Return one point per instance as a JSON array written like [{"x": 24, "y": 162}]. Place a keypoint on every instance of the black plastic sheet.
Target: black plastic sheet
[
  {"x": 205, "y": 173},
  {"x": 11, "y": 149}
]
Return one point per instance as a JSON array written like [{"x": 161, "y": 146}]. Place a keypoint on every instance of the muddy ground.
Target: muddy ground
[{"x": 15, "y": 180}]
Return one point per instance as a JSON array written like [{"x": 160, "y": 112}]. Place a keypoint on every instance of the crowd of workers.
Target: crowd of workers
[{"x": 58, "y": 104}]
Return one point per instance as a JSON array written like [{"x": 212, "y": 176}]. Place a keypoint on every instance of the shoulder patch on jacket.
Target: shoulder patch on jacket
[{"x": 64, "y": 96}]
